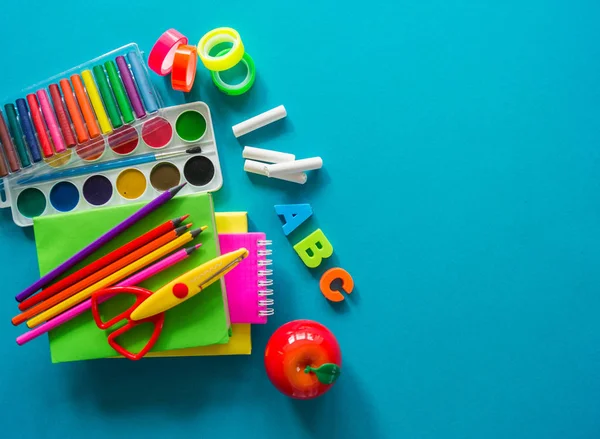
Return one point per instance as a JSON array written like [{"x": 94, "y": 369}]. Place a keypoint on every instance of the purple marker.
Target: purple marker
[
  {"x": 134, "y": 96},
  {"x": 104, "y": 239}
]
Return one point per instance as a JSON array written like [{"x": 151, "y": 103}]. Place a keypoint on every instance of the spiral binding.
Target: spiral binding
[{"x": 264, "y": 291}]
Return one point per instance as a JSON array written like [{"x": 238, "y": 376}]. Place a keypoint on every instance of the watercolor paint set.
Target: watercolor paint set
[
  {"x": 136, "y": 163},
  {"x": 99, "y": 135}
]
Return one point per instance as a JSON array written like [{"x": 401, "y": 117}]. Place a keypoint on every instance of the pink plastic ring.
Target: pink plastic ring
[{"x": 161, "y": 56}]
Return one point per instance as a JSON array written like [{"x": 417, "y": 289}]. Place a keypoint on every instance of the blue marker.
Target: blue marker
[
  {"x": 30, "y": 138},
  {"x": 139, "y": 73}
]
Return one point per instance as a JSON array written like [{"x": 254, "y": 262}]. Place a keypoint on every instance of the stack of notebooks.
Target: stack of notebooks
[{"x": 215, "y": 322}]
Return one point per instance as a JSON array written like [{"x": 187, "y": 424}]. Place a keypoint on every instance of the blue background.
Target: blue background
[{"x": 461, "y": 190}]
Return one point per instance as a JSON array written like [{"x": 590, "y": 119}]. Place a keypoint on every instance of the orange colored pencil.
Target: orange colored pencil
[
  {"x": 99, "y": 275},
  {"x": 99, "y": 264}
]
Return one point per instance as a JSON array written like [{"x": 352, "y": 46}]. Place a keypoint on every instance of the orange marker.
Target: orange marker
[
  {"x": 73, "y": 109},
  {"x": 86, "y": 108}
]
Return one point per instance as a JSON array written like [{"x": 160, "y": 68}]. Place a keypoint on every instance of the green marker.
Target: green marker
[
  {"x": 119, "y": 91},
  {"x": 107, "y": 97},
  {"x": 17, "y": 134}
]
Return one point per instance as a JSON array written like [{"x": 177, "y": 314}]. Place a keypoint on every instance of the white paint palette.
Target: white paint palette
[{"x": 135, "y": 163}]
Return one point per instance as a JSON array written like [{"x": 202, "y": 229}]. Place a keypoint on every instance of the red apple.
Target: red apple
[{"x": 303, "y": 359}]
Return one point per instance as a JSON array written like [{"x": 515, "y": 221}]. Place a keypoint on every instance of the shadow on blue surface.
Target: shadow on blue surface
[
  {"x": 335, "y": 414},
  {"x": 119, "y": 388}
]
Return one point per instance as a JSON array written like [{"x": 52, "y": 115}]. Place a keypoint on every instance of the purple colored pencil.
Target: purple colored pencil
[
  {"x": 134, "y": 96},
  {"x": 98, "y": 243}
]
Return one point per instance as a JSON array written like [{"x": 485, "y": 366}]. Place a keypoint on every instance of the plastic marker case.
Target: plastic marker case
[{"x": 119, "y": 139}]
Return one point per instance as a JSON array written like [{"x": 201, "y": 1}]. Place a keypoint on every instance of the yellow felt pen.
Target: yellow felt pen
[
  {"x": 188, "y": 285},
  {"x": 94, "y": 95}
]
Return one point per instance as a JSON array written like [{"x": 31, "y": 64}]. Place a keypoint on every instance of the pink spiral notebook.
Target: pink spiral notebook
[{"x": 249, "y": 286}]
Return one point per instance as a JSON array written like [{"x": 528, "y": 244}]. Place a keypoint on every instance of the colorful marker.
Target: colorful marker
[
  {"x": 32, "y": 143},
  {"x": 86, "y": 108},
  {"x": 107, "y": 97},
  {"x": 17, "y": 134},
  {"x": 94, "y": 95},
  {"x": 142, "y": 81},
  {"x": 50, "y": 118},
  {"x": 40, "y": 127},
  {"x": 130, "y": 88},
  {"x": 7, "y": 145},
  {"x": 61, "y": 114},
  {"x": 119, "y": 91},
  {"x": 73, "y": 109},
  {"x": 3, "y": 170}
]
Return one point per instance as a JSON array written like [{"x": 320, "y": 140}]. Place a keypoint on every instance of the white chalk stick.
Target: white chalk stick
[
  {"x": 267, "y": 155},
  {"x": 259, "y": 168},
  {"x": 279, "y": 169},
  {"x": 259, "y": 121}
]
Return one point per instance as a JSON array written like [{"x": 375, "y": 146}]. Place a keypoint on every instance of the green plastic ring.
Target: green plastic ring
[{"x": 242, "y": 87}]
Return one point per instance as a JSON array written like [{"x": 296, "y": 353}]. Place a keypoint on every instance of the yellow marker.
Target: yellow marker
[
  {"x": 113, "y": 278},
  {"x": 94, "y": 96},
  {"x": 188, "y": 285}
]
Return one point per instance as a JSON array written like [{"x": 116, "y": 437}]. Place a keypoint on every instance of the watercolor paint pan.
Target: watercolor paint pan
[
  {"x": 65, "y": 111},
  {"x": 179, "y": 129}
]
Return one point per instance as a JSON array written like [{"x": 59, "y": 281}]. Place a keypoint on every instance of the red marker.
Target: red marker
[{"x": 40, "y": 126}]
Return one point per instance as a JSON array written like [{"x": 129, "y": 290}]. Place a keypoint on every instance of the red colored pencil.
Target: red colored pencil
[
  {"x": 102, "y": 274},
  {"x": 102, "y": 262}
]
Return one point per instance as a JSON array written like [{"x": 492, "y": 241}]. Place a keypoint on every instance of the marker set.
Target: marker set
[
  {"x": 135, "y": 163},
  {"x": 74, "y": 110}
]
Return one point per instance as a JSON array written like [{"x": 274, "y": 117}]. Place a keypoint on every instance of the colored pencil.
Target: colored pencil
[
  {"x": 84, "y": 306},
  {"x": 100, "y": 274},
  {"x": 104, "y": 261},
  {"x": 112, "y": 164},
  {"x": 100, "y": 242},
  {"x": 113, "y": 278}
]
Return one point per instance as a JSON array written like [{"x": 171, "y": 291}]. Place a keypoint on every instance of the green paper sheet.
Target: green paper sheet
[{"x": 201, "y": 321}]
